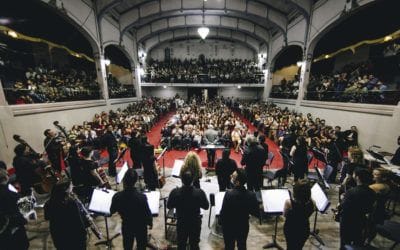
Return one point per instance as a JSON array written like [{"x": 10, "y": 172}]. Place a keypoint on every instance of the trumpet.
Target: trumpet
[{"x": 89, "y": 222}]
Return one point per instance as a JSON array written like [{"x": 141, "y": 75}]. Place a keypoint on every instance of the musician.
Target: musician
[
  {"x": 53, "y": 147},
  {"x": 134, "y": 210},
  {"x": 12, "y": 230},
  {"x": 148, "y": 160},
  {"x": 192, "y": 164},
  {"x": 334, "y": 157},
  {"x": 25, "y": 168},
  {"x": 299, "y": 157},
  {"x": 396, "y": 157},
  {"x": 237, "y": 205},
  {"x": 261, "y": 140},
  {"x": 210, "y": 137},
  {"x": 357, "y": 203},
  {"x": 135, "y": 146},
  {"x": 297, "y": 212},
  {"x": 253, "y": 158},
  {"x": 187, "y": 200},
  {"x": 110, "y": 142},
  {"x": 224, "y": 169},
  {"x": 67, "y": 227}
]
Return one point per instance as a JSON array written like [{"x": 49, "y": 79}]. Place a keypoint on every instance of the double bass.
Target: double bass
[{"x": 47, "y": 175}]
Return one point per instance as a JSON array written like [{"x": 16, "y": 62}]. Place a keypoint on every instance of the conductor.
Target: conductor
[
  {"x": 188, "y": 200},
  {"x": 210, "y": 138}
]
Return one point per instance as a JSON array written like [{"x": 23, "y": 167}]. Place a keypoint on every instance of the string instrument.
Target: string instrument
[
  {"x": 104, "y": 177},
  {"x": 65, "y": 135},
  {"x": 47, "y": 174},
  {"x": 89, "y": 222}
]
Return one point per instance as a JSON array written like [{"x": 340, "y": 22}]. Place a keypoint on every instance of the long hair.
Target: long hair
[
  {"x": 356, "y": 155},
  {"x": 192, "y": 164}
]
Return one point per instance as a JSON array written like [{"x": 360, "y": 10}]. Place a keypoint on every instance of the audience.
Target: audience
[
  {"x": 203, "y": 70},
  {"x": 286, "y": 89}
]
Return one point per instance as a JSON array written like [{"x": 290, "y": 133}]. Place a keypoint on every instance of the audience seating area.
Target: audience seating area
[
  {"x": 203, "y": 71},
  {"x": 286, "y": 89}
]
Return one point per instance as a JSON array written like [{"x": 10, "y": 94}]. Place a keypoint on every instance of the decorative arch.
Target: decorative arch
[
  {"x": 283, "y": 51},
  {"x": 122, "y": 49}
]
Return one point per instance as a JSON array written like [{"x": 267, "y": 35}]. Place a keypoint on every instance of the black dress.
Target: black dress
[
  {"x": 300, "y": 161},
  {"x": 297, "y": 225}
]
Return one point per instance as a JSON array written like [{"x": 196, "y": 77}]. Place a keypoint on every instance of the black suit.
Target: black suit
[
  {"x": 254, "y": 158},
  {"x": 149, "y": 172},
  {"x": 237, "y": 205},
  {"x": 357, "y": 202},
  {"x": 8, "y": 208},
  {"x": 54, "y": 152},
  {"x": 25, "y": 172},
  {"x": 224, "y": 168},
  {"x": 110, "y": 142},
  {"x": 134, "y": 145},
  {"x": 136, "y": 215},
  {"x": 188, "y": 200}
]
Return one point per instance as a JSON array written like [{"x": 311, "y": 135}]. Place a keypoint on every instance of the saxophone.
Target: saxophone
[{"x": 89, "y": 222}]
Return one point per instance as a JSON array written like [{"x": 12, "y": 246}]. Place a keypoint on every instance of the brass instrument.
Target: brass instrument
[{"x": 89, "y": 222}]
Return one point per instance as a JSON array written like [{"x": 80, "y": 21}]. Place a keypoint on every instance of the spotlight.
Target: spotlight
[
  {"x": 107, "y": 62},
  {"x": 203, "y": 32},
  {"x": 239, "y": 87},
  {"x": 299, "y": 63},
  {"x": 387, "y": 38},
  {"x": 164, "y": 86},
  {"x": 12, "y": 34},
  {"x": 327, "y": 56}
]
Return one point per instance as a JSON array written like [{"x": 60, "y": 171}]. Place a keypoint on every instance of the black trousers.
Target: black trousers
[
  {"x": 223, "y": 183},
  {"x": 351, "y": 232},
  {"x": 113, "y": 154},
  {"x": 130, "y": 234},
  {"x": 253, "y": 180},
  {"x": 210, "y": 157},
  {"x": 238, "y": 236},
  {"x": 188, "y": 231}
]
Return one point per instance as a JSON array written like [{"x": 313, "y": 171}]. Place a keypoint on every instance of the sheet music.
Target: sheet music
[
  {"x": 274, "y": 200},
  {"x": 101, "y": 201},
  {"x": 219, "y": 198},
  {"x": 153, "y": 199},
  {"x": 122, "y": 172},
  {"x": 319, "y": 197},
  {"x": 176, "y": 170}
]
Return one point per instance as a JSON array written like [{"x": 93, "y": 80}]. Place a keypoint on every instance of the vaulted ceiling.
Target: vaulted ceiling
[{"x": 251, "y": 22}]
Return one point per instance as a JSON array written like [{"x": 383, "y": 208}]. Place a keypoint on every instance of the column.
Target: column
[
  {"x": 267, "y": 83},
  {"x": 304, "y": 77},
  {"x": 138, "y": 83},
  {"x": 3, "y": 101},
  {"x": 101, "y": 74}
]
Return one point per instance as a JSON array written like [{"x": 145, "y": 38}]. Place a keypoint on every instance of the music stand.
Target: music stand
[
  {"x": 321, "y": 205},
  {"x": 100, "y": 203},
  {"x": 121, "y": 174},
  {"x": 273, "y": 203},
  {"x": 161, "y": 155},
  {"x": 176, "y": 169}
]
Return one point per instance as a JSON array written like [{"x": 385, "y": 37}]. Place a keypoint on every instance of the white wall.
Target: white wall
[
  {"x": 243, "y": 93},
  {"x": 373, "y": 129},
  {"x": 212, "y": 49},
  {"x": 31, "y": 127},
  {"x": 169, "y": 92}
]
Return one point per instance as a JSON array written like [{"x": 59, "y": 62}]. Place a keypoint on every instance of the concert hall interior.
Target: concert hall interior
[{"x": 199, "y": 124}]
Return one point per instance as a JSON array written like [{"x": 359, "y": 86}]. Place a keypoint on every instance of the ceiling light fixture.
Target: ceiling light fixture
[
  {"x": 203, "y": 32},
  {"x": 387, "y": 38}
]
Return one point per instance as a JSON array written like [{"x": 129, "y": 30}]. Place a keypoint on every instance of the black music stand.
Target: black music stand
[
  {"x": 273, "y": 202},
  {"x": 100, "y": 203},
  {"x": 322, "y": 204},
  {"x": 161, "y": 155},
  {"x": 320, "y": 156}
]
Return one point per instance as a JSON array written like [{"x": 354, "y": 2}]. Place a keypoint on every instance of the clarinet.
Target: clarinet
[{"x": 88, "y": 218}]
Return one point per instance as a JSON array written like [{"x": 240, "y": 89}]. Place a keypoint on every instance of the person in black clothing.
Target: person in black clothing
[
  {"x": 67, "y": 223},
  {"x": 187, "y": 200},
  {"x": 13, "y": 235},
  {"x": 135, "y": 146},
  {"x": 299, "y": 157},
  {"x": 237, "y": 205},
  {"x": 25, "y": 168},
  {"x": 135, "y": 213},
  {"x": 53, "y": 148},
  {"x": 261, "y": 140},
  {"x": 357, "y": 203},
  {"x": 297, "y": 212},
  {"x": 396, "y": 157},
  {"x": 224, "y": 168},
  {"x": 148, "y": 161},
  {"x": 334, "y": 157},
  {"x": 110, "y": 142},
  {"x": 254, "y": 158}
]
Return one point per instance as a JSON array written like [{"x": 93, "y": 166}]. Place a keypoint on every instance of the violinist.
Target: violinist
[
  {"x": 25, "y": 169},
  {"x": 53, "y": 147}
]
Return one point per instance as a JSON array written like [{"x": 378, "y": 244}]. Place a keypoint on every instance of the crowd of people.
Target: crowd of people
[
  {"x": 287, "y": 89},
  {"x": 42, "y": 84},
  {"x": 118, "y": 90},
  {"x": 218, "y": 123},
  {"x": 203, "y": 71},
  {"x": 355, "y": 82}
]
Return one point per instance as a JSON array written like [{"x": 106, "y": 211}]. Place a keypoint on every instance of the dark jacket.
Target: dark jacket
[{"x": 254, "y": 158}]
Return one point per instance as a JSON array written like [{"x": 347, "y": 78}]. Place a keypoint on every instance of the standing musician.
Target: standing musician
[
  {"x": 224, "y": 168},
  {"x": 67, "y": 227},
  {"x": 110, "y": 142},
  {"x": 53, "y": 147},
  {"x": 25, "y": 169},
  {"x": 135, "y": 147},
  {"x": 148, "y": 161},
  {"x": 254, "y": 158},
  {"x": 134, "y": 210},
  {"x": 12, "y": 230}
]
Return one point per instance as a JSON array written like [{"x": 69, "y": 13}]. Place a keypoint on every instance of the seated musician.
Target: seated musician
[{"x": 25, "y": 169}]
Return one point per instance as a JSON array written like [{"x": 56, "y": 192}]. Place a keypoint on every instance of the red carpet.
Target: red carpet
[{"x": 154, "y": 137}]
